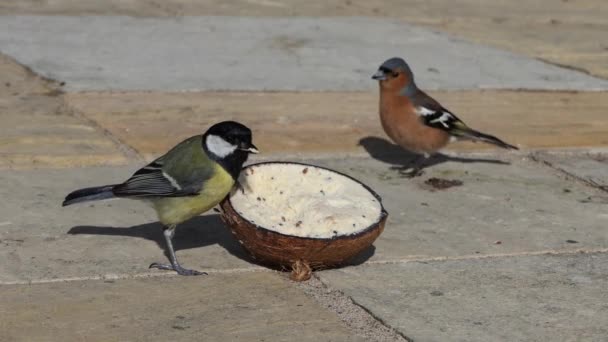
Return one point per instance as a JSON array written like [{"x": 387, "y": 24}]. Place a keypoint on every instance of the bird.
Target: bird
[
  {"x": 417, "y": 122},
  {"x": 193, "y": 177}
]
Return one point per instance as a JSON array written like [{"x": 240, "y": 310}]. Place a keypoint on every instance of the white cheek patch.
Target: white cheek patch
[{"x": 218, "y": 146}]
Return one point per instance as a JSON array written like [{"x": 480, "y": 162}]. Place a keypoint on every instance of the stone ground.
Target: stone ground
[{"x": 518, "y": 252}]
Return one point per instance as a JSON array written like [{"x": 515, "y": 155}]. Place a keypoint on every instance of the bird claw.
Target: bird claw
[
  {"x": 411, "y": 173},
  {"x": 177, "y": 268},
  {"x": 408, "y": 172}
]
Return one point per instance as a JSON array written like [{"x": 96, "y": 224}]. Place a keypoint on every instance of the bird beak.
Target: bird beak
[
  {"x": 251, "y": 149},
  {"x": 379, "y": 75}
]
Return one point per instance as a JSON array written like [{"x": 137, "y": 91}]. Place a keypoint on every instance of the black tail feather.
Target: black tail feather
[
  {"x": 89, "y": 194},
  {"x": 490, "y": 139}
]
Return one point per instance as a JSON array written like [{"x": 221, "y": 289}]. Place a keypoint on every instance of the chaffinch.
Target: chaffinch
[{"x": 414, "y": 120}]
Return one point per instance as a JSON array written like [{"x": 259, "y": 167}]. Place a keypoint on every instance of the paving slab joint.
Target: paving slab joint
[
  {"x": 362, "y": 321},
  {"x": 112, "y": 277},
  {"x": 571, "y": 67},
  {"x": 127, "y": 150},
  {"x": 55, "y": 86},
  {"x": 426, "y": 259},
  {"x": 538, "y": 158}
]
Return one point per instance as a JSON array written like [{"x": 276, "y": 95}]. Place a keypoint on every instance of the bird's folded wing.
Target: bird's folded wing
[
  {"x": 439, "y": 118},
  {"x": 152, "y": 180},
  {"x": 433, "y": 114}
]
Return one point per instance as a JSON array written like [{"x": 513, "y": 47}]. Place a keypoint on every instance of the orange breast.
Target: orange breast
[{"x": 405, "y": 128}]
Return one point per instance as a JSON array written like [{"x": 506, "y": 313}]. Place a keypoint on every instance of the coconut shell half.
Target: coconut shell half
[{"x": 297, "y": 253}]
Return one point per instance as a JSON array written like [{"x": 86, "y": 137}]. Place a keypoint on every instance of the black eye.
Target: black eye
[{"x": 394, "y": 74}]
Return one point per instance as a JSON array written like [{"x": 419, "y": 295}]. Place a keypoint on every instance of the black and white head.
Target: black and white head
[
  {"x": 229, "y": 144},
  {"x": 395, "y": 74}
]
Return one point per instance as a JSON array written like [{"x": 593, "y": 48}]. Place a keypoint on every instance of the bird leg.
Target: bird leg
[
  {"x": 168, "y": 232},
  {"x": 413, "y": 169}
]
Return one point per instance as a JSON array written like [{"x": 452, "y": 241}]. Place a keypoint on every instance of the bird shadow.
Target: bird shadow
[
  {"x": 197, "y": 232},
  {"x": 200, "y": 231},
  {"x": 387, "y": 152}
]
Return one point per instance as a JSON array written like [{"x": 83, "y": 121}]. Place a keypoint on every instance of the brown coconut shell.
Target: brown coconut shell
[{"x": 300, "y": 254}]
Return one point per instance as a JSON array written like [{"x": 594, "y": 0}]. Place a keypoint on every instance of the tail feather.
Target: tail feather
[
  {"x": 89, "y": 194},
  {"x": 490, "y": 139}
]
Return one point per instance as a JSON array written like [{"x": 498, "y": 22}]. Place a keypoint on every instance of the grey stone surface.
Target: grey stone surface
[
  {"x": 245, "y": 53},
  {"x": 257, "y": 306},
  {"x": 535, "y": 298},
  {"x": 41, "y": 240},
  {"x": 519, "y": 207},
  {"x": 524, "y": 206},
  {"x": 591, "y": 168}
]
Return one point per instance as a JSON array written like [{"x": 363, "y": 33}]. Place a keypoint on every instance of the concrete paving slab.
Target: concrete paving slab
[
  {"x": 38, "y": 130},
  {"x": 334, "y": 122},
  {"x": 53, "y": 140},
  {"x": 546, "y": 29},
  {"x": 248, "y": 53},
  {"x": 534, "y": 298},
  {"x": 522, "y": 205},
  {"x": 591, "y": 168},
  {"x": 43, "y": 241},
  {"x": 499, "y": 209},
  {"x": 236, "y": 307}
]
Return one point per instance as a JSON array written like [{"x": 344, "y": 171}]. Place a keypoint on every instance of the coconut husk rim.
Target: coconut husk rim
[{"x": 383, "y": 212}]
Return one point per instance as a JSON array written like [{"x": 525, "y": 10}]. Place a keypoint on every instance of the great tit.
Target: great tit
[{"x": 187, "y": 181}]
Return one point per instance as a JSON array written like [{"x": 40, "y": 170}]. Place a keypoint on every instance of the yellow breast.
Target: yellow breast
[{"x": 175, "y": 210}]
